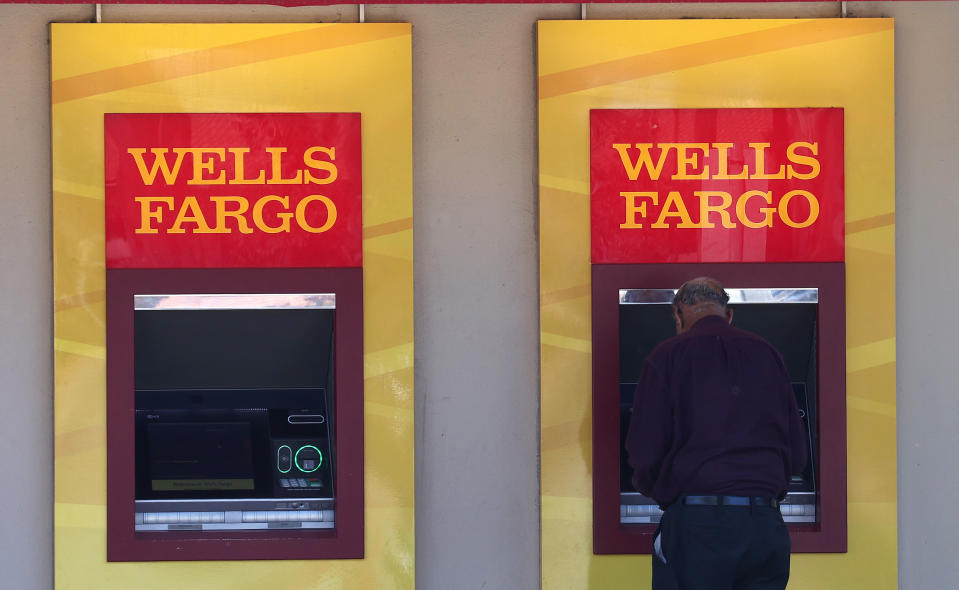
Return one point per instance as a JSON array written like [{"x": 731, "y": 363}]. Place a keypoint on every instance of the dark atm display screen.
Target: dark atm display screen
[
  {"x": 243, "y": 348},
  {"x": 200, "y": 456}
]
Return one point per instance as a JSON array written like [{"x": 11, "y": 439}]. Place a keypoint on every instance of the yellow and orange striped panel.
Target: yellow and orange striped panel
[
  {"x": 844, "y": 63},
  {"x": 151, "y": 68}
]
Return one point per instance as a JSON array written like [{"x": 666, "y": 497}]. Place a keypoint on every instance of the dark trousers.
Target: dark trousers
[{"x": 722, "y": 548}]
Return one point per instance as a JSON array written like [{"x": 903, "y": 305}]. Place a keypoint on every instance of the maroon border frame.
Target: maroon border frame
[
  {"x": 829, "y": 535},
  {"x": 346, "y": 540}
]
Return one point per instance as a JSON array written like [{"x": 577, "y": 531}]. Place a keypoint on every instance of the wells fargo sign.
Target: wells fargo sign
[
  {"x": 716, "y": 185},
  {"x": 233, "y": 190}
]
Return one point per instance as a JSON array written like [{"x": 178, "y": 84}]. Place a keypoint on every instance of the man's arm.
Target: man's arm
[{"x": 650, "y": 429}]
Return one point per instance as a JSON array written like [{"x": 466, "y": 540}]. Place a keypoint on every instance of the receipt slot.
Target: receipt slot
[{"x": 799, "y": 309}]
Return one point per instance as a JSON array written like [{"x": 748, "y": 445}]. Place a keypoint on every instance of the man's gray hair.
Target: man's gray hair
[{"x": 701, "y": 290}]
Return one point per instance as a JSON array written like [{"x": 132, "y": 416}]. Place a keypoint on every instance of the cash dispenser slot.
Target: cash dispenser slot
[
  {"x": 787, "y": 318},
  {"x": 234, "y": 412}
]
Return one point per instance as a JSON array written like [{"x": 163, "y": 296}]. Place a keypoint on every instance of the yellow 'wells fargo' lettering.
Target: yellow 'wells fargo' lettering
[
  {"x": 213, "y": 166},
  {"x": 714, "y": 206},
  {"x": 701, "y": 161},
  {"x": 270, "y": 214}
]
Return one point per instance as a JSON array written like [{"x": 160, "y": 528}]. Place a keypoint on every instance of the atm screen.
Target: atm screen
[
  {"x": 200, "y": 456},
  {"x": 237, "y": 348}
]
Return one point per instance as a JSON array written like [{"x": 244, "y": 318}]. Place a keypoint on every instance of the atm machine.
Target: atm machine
[
  {"x": 235, "y": 404},
  {"x": 799, "y": 308},
  {"x": 234, "y": 412},
  {"x": 786, "y": 317}
]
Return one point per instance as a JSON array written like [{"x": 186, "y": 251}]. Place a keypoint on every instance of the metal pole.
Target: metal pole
[
  {"x": 362, "y": 13},
  {"x": 582, "y": 11},
  {"x": 99, "y": 17}
]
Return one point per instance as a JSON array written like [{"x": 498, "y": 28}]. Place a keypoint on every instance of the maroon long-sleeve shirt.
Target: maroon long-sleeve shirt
[{"x": 714, "y": 413}]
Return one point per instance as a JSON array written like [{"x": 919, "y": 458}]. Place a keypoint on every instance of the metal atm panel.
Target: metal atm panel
[{"x": 786, "y": 317}]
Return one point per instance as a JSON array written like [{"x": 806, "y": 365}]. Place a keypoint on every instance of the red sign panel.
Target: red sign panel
[
  {"x": 233, "y": 190},
  {"x": 717, "y": 185}
]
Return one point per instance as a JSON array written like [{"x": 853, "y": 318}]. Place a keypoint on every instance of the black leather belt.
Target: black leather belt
[{"x": 730, "y": 501}]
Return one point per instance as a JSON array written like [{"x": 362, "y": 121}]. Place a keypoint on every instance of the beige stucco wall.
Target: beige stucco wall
[{"x": 476, "y": 284}]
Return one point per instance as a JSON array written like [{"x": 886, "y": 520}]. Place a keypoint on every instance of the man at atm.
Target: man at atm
[{"x": 714, "y": 437}]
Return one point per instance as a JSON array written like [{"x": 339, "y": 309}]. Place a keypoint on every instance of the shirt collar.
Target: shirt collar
[{"x": 709, "y": 322}]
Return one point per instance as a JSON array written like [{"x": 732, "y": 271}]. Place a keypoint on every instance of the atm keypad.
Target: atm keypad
[{"x": 294, "y": 482}]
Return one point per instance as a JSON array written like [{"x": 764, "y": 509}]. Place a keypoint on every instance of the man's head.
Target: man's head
[{"x": 698, "y": 298}]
